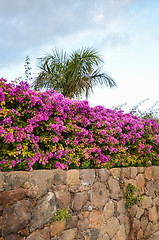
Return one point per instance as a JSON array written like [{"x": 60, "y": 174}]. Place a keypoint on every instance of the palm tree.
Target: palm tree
[{"x": 72, "y": 75}]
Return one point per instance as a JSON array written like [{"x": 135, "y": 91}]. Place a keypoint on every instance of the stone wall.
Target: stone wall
[{"x": 29, "y": 200}]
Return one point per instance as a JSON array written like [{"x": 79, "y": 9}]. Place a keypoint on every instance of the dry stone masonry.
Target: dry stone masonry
[{"x": 95, "y": 198}]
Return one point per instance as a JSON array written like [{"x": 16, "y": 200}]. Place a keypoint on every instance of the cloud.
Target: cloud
[
  {"x": 116, "y": 39},
  {"x": 30, "y": 25}
]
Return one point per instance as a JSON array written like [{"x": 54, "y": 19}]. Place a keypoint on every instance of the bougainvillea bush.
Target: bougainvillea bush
[{"x": 45, "y": 130}]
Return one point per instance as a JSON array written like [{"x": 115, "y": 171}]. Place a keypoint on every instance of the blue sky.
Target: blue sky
[{"x": 126, "y": 33}]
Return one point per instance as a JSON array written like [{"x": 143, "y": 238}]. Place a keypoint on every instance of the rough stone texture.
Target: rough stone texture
[
  {"x": 72, "y": 222},
  {"x": 59, "y": 177},
  {"x": 83, "y": 224},
  {"x": 14, "y": 237},
  {"x": 57, "y": 227},
  {"x": 68, "y": 234},
  {"x": 148, "y": 173},
  {"x": 43, "y": 211},
  {"x": 13, "y": 180},
  {"x": 63, "y": 197},
  {"x": 87, "y": 176},
  {"x": 139, "y": 212},
  {"x": 114, "y": 188},
  {"x": 155, "y": 174},
  {"x": 125, "y": 172},
  {"x": 156, "y": 201},
  {"x": 95, "y": 219},
  {"x": 99, "y": 195},
  {"x": 108, "y": 210},
  {"x": 8, "y": 197},
  {"x": 115, "y": 172},
  {"x": 120, "y": 234},
  {"x": 42, "y": 234},
  {"x": 146, "y": 202},
  {"x": 39, "y": 183},
  {"x": 16, "y": 217},
  {"x": 1, "y": 181},
  {"x": 140, "y": 182},
  {"x": 153, "y": 214},
  {"x": 29, "y": 200},
  {"x": 133, "y": 172},
  {"x": 121, "y": 206},
  {"x": 73, "y": 177},
  {"x": 125, "y": 220},
  {"x": 112, "y": 226},
  {"x": 144, "y": 223},
  {"x": 79, "y": 200},
  {"x": 103, "y": 175},
  {"x": 151, "y": 189}
]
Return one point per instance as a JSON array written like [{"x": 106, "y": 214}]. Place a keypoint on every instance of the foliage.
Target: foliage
[
  {"x": 45, "y": 130},
  {"x": 62, "y": 215},
  {"x": 72, "y": 75},
  {"x": 129, "y": 196}
]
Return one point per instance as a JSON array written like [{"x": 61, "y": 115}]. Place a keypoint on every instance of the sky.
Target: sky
[{"x": 125, "y": 32}]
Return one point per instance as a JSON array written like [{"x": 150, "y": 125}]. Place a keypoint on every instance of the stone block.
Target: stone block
[
  {"x": 83, "y": 224},
  {"x": 115, "y": 172},
  {"x": 57, "y": 227},
  {"x": 133, "y": 172},
  {"x": 139, "y": 212},
  {"x": 72, "y": 222},
  {"x": 141, "y": 169},
  {"x": 149, "y": 230},
  {"x": 72, "y": 177},
  {"x": 121, "y": 207},
  {"x": 108, "y": 210},
  {"x": 153, "y": 214},
  {"x": 98, "y": 195},
  {"x": 8, "y": 197},
  {"x": 146, "y": 202},
  {"x": 148, "y": 173},
  {"x": 39, "y": 183},
  {"x": 1, "y": 181},
  {"x": 141, "y": 183},
  {"x": 79, "y": 200},
  {"x": 68, "y": 234},
  {"x": 136, "y": 225},
  {"x": 103, "y": 175},
  {"x": 42, "y": 234},
  {"x": 157, "y": 186},
  {"x": 14, "y": 237},
  {"x": 95, "y": 219},
  {"x": 144, "y": 223},
  {"x": 105, "y": 237},
  {"x": 124, "y": 220},
  {"x": 155, "y": 171},
  {"x": 125, "y": 173},
  {"x": 16, "y": 217},
  {"x": 63, "y": 197},
  {"x": 112, "y": 227},
  {"x": 87, "y": 176},
  {"x": 140, "y": 234},
  {"x": 43, "y": 212},
  {"x": 59, "y": 176},
  {"x": 121, "y": 235},
  {"x": 150, "y": 189},
  {"x": 91, "y": 234},
  {"x": 156, "y": 201},
  {"x": 14, "y": 180},
  {"x": 115, "y": 191}
]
